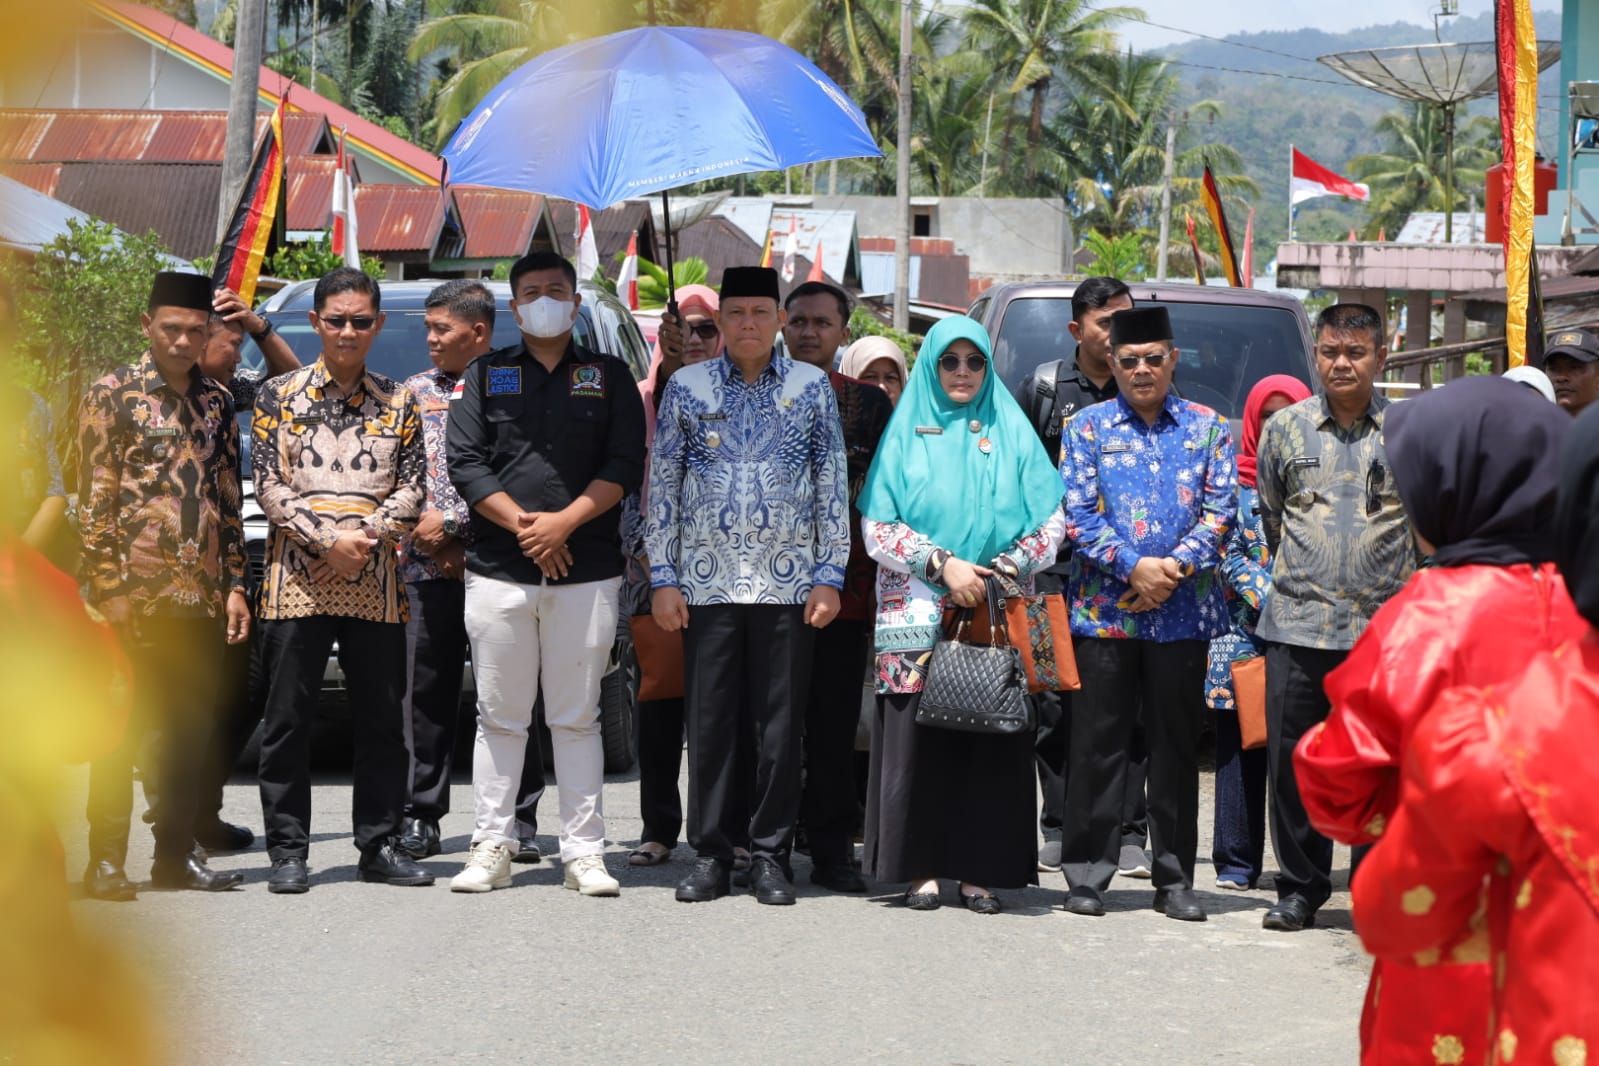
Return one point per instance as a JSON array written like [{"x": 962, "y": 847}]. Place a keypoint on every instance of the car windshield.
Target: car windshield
[{"x": 1224, "y": 349}]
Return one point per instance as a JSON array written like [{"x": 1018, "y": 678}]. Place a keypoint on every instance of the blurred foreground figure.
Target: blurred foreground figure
[{"x": 1493, "y": 853}]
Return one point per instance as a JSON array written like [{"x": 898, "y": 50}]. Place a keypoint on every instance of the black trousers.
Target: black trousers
[
  {"x": 1296, "y": 701},
  {"x": 372, "y": 656},
  {"x": 241, "y": 703},
  {"x": 1052, "y": 755},
  {"x": 832, "y": 716},
  {"x": 660, "y": 758},
  {"x": 1119, "y": 677},
  {"x": 746, "y": 675},
  {"x": 436, "y": 649},
  {"x": 175, "y": 678}
]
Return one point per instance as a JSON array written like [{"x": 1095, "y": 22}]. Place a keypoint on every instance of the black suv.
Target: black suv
[
  {"x": 604, "y": 324},
  {"x": 1228, "y": 339}
]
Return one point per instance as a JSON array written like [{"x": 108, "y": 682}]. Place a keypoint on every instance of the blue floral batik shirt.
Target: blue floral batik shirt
[
  {"x": 1135, "y": 490},
  {"x": 748, "y": 499}
]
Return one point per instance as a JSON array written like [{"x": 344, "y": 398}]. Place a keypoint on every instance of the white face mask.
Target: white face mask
[{"x": 546, "y": 316}]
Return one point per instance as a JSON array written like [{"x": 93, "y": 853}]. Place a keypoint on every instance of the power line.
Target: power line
[{"x": 1223, "y": 40}]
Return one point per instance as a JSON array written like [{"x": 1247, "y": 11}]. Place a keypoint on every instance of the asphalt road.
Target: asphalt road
[{"x": 356, "y": 973}]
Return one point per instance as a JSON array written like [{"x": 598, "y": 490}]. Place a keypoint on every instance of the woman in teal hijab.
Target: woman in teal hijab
[{"x": 960, "y": 488}]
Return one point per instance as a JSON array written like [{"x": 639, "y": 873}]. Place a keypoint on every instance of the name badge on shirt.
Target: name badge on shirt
[
  {"x": 1304, "y": 462},
  {"x": 306, "y": 420},
  {"x": 588, "y": 380},
  {"x": 1113, "y": 449},
  {"x": 435, "y": 405},
  {"x": 161, "y": 431},
  {"x": 505, "y": 381},
  {"x": 718, "y": 417},
  {"x": 929, "y": 431}
]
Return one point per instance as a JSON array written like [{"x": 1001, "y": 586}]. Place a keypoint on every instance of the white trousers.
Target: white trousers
[{"x": 528, "y": 638}]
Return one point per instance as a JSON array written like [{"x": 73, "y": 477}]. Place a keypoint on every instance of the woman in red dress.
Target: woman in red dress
[
  {"x": 1476, "y": 464},
  {"x": 1493, "y": 850}
]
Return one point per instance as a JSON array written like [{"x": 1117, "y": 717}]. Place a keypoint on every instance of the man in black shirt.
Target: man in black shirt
[
  {"x": 544, "y": 439},
  {"x": 1051, "y": 394}
]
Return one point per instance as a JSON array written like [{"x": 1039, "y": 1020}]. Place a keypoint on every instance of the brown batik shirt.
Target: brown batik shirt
[
  {"x": 159, "y": 493},
  {"x": 326, "y": 462}
]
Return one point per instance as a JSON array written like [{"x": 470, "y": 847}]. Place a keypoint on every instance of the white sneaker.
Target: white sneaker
[
  {"x": 488, "y": 867},
  {"x": 587, "y": 875}
]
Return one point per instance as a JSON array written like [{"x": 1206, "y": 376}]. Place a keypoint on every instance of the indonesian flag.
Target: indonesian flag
[
  {"x": 1518, "y": 134},
  {"x": 345, "y": 243},
  {"x": 627, "y": 280},
  {"x": 588, "y": 254},
  {"x": 816, "y": 273},
  {"x": 1310, "y": 179},
  {"x": 244, "y": 242},
  {"x": 790, "y": 249}
]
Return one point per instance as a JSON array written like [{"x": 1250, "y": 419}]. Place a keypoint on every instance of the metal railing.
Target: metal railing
[{"x": 1426, "y": 367}]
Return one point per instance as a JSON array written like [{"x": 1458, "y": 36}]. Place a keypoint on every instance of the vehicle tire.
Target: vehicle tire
[{"x": 618, "y": 696}]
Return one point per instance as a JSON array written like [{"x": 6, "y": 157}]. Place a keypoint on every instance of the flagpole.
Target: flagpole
[{"x": 1290, "y": 193}]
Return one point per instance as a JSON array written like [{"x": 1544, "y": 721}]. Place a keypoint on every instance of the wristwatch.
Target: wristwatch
[
  {"x": 452, "y": 528},
  {"x": 266, "y": 331}
]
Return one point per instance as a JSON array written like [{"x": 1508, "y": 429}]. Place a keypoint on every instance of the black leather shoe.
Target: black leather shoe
[
  {"x": 192, "y": 873},
  {"x": 387, "y": 865},
  {"x": 922, "y": 901},
  {"x": 527, "y": 852},
  {"x": 985, "y": 904},
  {"x": 1179, "y": 903},
  {"x": 288, "y": 875},
  {"x": 105, "y": 880},
  {"x": 838, "y": 878},
  {"x": 419, "y": 839},
  {"x": 769, "y": 883},
  {"x": 217, "y": 835},
  {"x": 707, "y": 881},
  {"x": 1290, "y": 915},
  {"x": 1083, "y": 900}
]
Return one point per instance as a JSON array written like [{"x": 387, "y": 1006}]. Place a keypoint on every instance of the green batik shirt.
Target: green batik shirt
[{"x": 1339, "y": 539}]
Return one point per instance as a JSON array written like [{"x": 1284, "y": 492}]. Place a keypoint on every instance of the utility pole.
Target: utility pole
[
  {"x": 240, "y": 144},
  {"x": 902, "y": 240},
  {"x": 1165, "y": 196}
]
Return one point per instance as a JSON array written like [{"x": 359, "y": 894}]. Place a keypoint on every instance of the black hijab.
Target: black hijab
[
  {"x": 1577, "y": 515},
  {"x": 1477, "y": 464}
]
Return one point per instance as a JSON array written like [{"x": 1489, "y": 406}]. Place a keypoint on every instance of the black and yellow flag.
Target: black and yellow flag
[{"x": 1211, "y": 197}]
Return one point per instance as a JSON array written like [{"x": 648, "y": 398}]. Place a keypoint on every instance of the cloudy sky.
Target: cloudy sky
[{"x": 1222, "y": 17}]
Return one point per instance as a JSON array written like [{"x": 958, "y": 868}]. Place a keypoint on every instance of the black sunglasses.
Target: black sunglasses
[
  {"x": 950, "y": 362},
  {"x": 360, "y": 323},
  {"x": 1153, "y": 360},
  {"x": 704, "y": 331}
]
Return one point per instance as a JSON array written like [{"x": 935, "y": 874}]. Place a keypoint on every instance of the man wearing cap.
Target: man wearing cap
[
  {"x": 1340, "y": 547},
  {"x": 163, "y": 562},
  {"x": 748, "y": 537},
  {"x": 1572, "y": 363},
  {"x": 1151, "y": 491},
  {"x": 818, "y": 324}
]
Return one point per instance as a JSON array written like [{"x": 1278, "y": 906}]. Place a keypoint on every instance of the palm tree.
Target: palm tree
[
  {"x": 1112, "y": 141},
  {"x": 947, "y": 121},
  {"x": 1409, "y": 175},
  {"x": 1040, "y": 41}
]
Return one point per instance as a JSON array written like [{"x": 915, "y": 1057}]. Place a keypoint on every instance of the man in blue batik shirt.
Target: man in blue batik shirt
[
  {"x": 748, "y": 535},
  {"x": 1151, "y": 490}
]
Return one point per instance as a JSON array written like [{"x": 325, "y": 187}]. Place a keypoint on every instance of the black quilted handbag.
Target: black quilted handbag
[{"x": 977, "y": 688}]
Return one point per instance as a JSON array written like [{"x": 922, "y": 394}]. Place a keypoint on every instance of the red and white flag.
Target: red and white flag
[
  {"x": 1309, "y": 179},
  {"x": 790, "y": 249},
  {"x": 588, "y": 253},
  {"x": 345, "y": 242},
  {"x": 1247, "y": 267},
  {"x": 627, "y": 280}
]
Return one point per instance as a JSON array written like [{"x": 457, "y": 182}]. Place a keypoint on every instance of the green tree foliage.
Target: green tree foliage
[
  {"x": 78, "y": 306},
  {"x": 312, "y": 259},
  {"x": 862, "y": 323},
  {"x": 1116, "y": 257}
]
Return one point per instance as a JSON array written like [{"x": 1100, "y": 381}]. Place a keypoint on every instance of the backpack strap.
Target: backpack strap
[{"x": 1041, "y": 404}]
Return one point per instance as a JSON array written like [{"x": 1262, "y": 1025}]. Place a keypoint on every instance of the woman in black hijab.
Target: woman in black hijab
[{"x": 1476, "y": 463}]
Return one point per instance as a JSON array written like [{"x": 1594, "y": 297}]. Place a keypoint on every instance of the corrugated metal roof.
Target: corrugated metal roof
[
  {"x": 399, "y": 218},
  {"x": 499, "y": 223},
  {"x": 176, "y": 200},
  {"x": 30, "y": 220},
  {"x": 612, "y": 228},
  {"x": 310, "y": 182},
  {"x": 92, "y": 136},
  {"x": 41, "y": 177}
]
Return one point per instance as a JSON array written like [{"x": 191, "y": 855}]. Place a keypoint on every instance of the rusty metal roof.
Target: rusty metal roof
[
  {"x": 310, "y": 183},
  {"x": 399, "y": 218},
  {"x": 69, "y": 136},
  {"x": 41, "y": 177},
  {"x": 499, "y": 223},
  {"x": 612, "y": 228},
  {"x": 175, "y": 200}
]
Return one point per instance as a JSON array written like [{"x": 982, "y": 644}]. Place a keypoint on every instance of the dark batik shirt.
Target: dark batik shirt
[
  {"x": 327, "y": 462},
  {"x": 433, "y": 390},
  {"x": 864, "y": 411},
  {"x": 159, "y": 493}
]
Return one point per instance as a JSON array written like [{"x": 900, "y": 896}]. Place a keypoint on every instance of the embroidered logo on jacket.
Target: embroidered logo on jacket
[{"x": 588, "y": 380}]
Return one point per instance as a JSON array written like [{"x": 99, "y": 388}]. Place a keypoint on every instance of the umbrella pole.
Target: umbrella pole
[{"x": 671, "y": 282}]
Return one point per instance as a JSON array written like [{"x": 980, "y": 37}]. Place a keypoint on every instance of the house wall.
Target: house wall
[{"x": 1011, "y": 237}]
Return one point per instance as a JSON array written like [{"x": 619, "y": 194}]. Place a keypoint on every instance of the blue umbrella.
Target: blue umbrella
[{"x": 651, "y": 109}]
